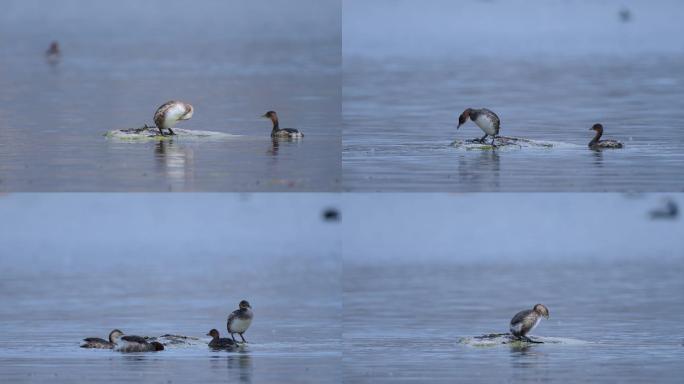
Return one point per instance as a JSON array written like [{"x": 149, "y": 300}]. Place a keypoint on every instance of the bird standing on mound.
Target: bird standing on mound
[
  {"x": 524, "y": 321},
  {"x": 487, "y": 120},
  {"x": 170, "y": 113},
  {"x": 240, "y": 320},
  {"x": 595, "y": 143}
]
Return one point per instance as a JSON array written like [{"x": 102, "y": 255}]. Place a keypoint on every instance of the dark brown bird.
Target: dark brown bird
[{"x": 596, "y": 143}]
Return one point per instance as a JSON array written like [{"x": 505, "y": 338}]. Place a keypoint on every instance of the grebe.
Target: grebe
[
  {"x": 524, "y": 321},
  {"x": 96, "y": 342},
  {"x": 131, "y": 343},
  {"x": 53, "y": 51},
  {"x": 595, "y": 143},
  {"x": 240, "y": 320},
  {"x": 170, "y": 113},
  {"x": 281, "y": 132},
  {"x": 487, "y": 120},
  {"x": 219, "y": 343}
]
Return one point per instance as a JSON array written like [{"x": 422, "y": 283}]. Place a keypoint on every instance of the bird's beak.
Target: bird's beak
[
  {"x": 264, "y": 116},
  {"x": 458, "y": 126},
  {"x": 208, "y": 334}
]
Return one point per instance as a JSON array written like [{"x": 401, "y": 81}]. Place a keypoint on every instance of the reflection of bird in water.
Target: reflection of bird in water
[
  {"x": 670, "y": 210},
  {"x": 331, "y": 214},
  {"x": 275, "y": 145},
  {"x": 176, "y": 162}
]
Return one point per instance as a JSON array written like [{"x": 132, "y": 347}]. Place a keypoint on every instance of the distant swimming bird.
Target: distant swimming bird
[
  {"x": 524, "y": 321},
  {"x": 240, "y": 320},
  {"x": 331, "y": 214},
  {"x": 53, "y": 50},
  {"x": 595, "y": 143},
  {"x": 170, "y": 113},
  {"x": 131, "y": 343},
  {"x": 96, "y": 342},
  {"x": 220, "y": 343},
  {"x": 670, "y": 210},
  {"x": 487, "y": 120},
  {"x": 281, "y": 132},
  {"x": 625, "y": 15}
]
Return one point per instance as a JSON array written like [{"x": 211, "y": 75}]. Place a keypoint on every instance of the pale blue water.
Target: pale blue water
[
  {"x": 422, "y": 272},
  {"x": 79, "y": 265},
  {"x": 231, "y": 60},
  {"x": 549, "y": 69}
]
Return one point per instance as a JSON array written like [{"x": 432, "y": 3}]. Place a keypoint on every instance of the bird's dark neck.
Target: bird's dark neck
[
  {"x": 276, "y": 127},
  {"x": 596, "y": 138}
]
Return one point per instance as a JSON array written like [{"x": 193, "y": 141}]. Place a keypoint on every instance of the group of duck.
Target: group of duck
[
  {"x": 238, "y": 322},
  {"x": 171, "y": 112},
  {"x": 490, "y": 124}
]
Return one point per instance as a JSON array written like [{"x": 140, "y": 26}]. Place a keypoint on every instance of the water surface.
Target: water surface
[
  {"x": 232, "y": 61},
  {"x": 156, "y": 264}
]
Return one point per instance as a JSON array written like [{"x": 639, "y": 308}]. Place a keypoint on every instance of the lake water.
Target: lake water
[
  {"x": 401, "y": 116},
  {"x": 549, "y": 69},
  {"x": 152, "y": 265},
  {"x": 422, "y": 272},
  {"x": 232, "y": 61}
]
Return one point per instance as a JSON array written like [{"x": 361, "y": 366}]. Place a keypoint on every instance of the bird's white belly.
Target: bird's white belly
[
  {"x": 486, "y": 125},
  {"x": 239, "y": 325}
]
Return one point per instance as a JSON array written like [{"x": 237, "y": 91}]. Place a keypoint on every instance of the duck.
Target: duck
[
  {"x": 525, "y": 321},
  {"x": 171, "y": 112},
  {"x": 96, "y": 342},
  {"x": 240, "y": 320},
  {"x": 487, "y": 120},
  {"x": 220, "y": 343},
  {"x": 278, "y": 132},
  {"x": 132, "y": 343},
  {"x": 595, "y": 143}
]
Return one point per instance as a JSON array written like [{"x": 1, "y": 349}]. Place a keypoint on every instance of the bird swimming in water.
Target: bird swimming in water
[
  {"x": 595, "y": 143},
  {"x": 53, "y": 50},
  {"x": 96, "y": 342},
  {"x": 170, "y": 113},
  {"x": 524, "y": 321},
  {"x": 131, "y": 343},
  {"x": 487, "y": 120},
  {"x": 281, "y": 132},
  {"x": 220, "y": 343},
  {"x": 240, "y": 320}
]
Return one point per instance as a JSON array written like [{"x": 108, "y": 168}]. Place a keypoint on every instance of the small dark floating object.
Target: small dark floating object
[
  {"x": 669, "y": 211},
  {"x": 625, "y": 15},
  {"x": 331, "y": 214}
]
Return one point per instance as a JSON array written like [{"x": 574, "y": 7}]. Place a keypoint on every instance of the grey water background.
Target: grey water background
[
  {"x": 549, "y": 69},
  {"x": 79, "y": 265},
  {"x": 423, "y": 271},
  {"x": 232, "y": 60}
]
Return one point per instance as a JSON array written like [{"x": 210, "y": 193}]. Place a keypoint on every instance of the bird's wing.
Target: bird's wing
[
  {"x": 232, "y": 317},
  {"x": 95, "y": 340},
  {"x": 520, "y": 316},
  {"x": 134, "y": 339},
  {"x": 159, "y": 114},
  {"x": 495, "y": 119}
]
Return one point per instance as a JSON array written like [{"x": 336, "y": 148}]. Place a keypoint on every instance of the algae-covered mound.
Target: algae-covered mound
[
  {"x": 497, "y": 339},
  {"x": 502, "y": 142},
  {"x": 146, "y": 133}
]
